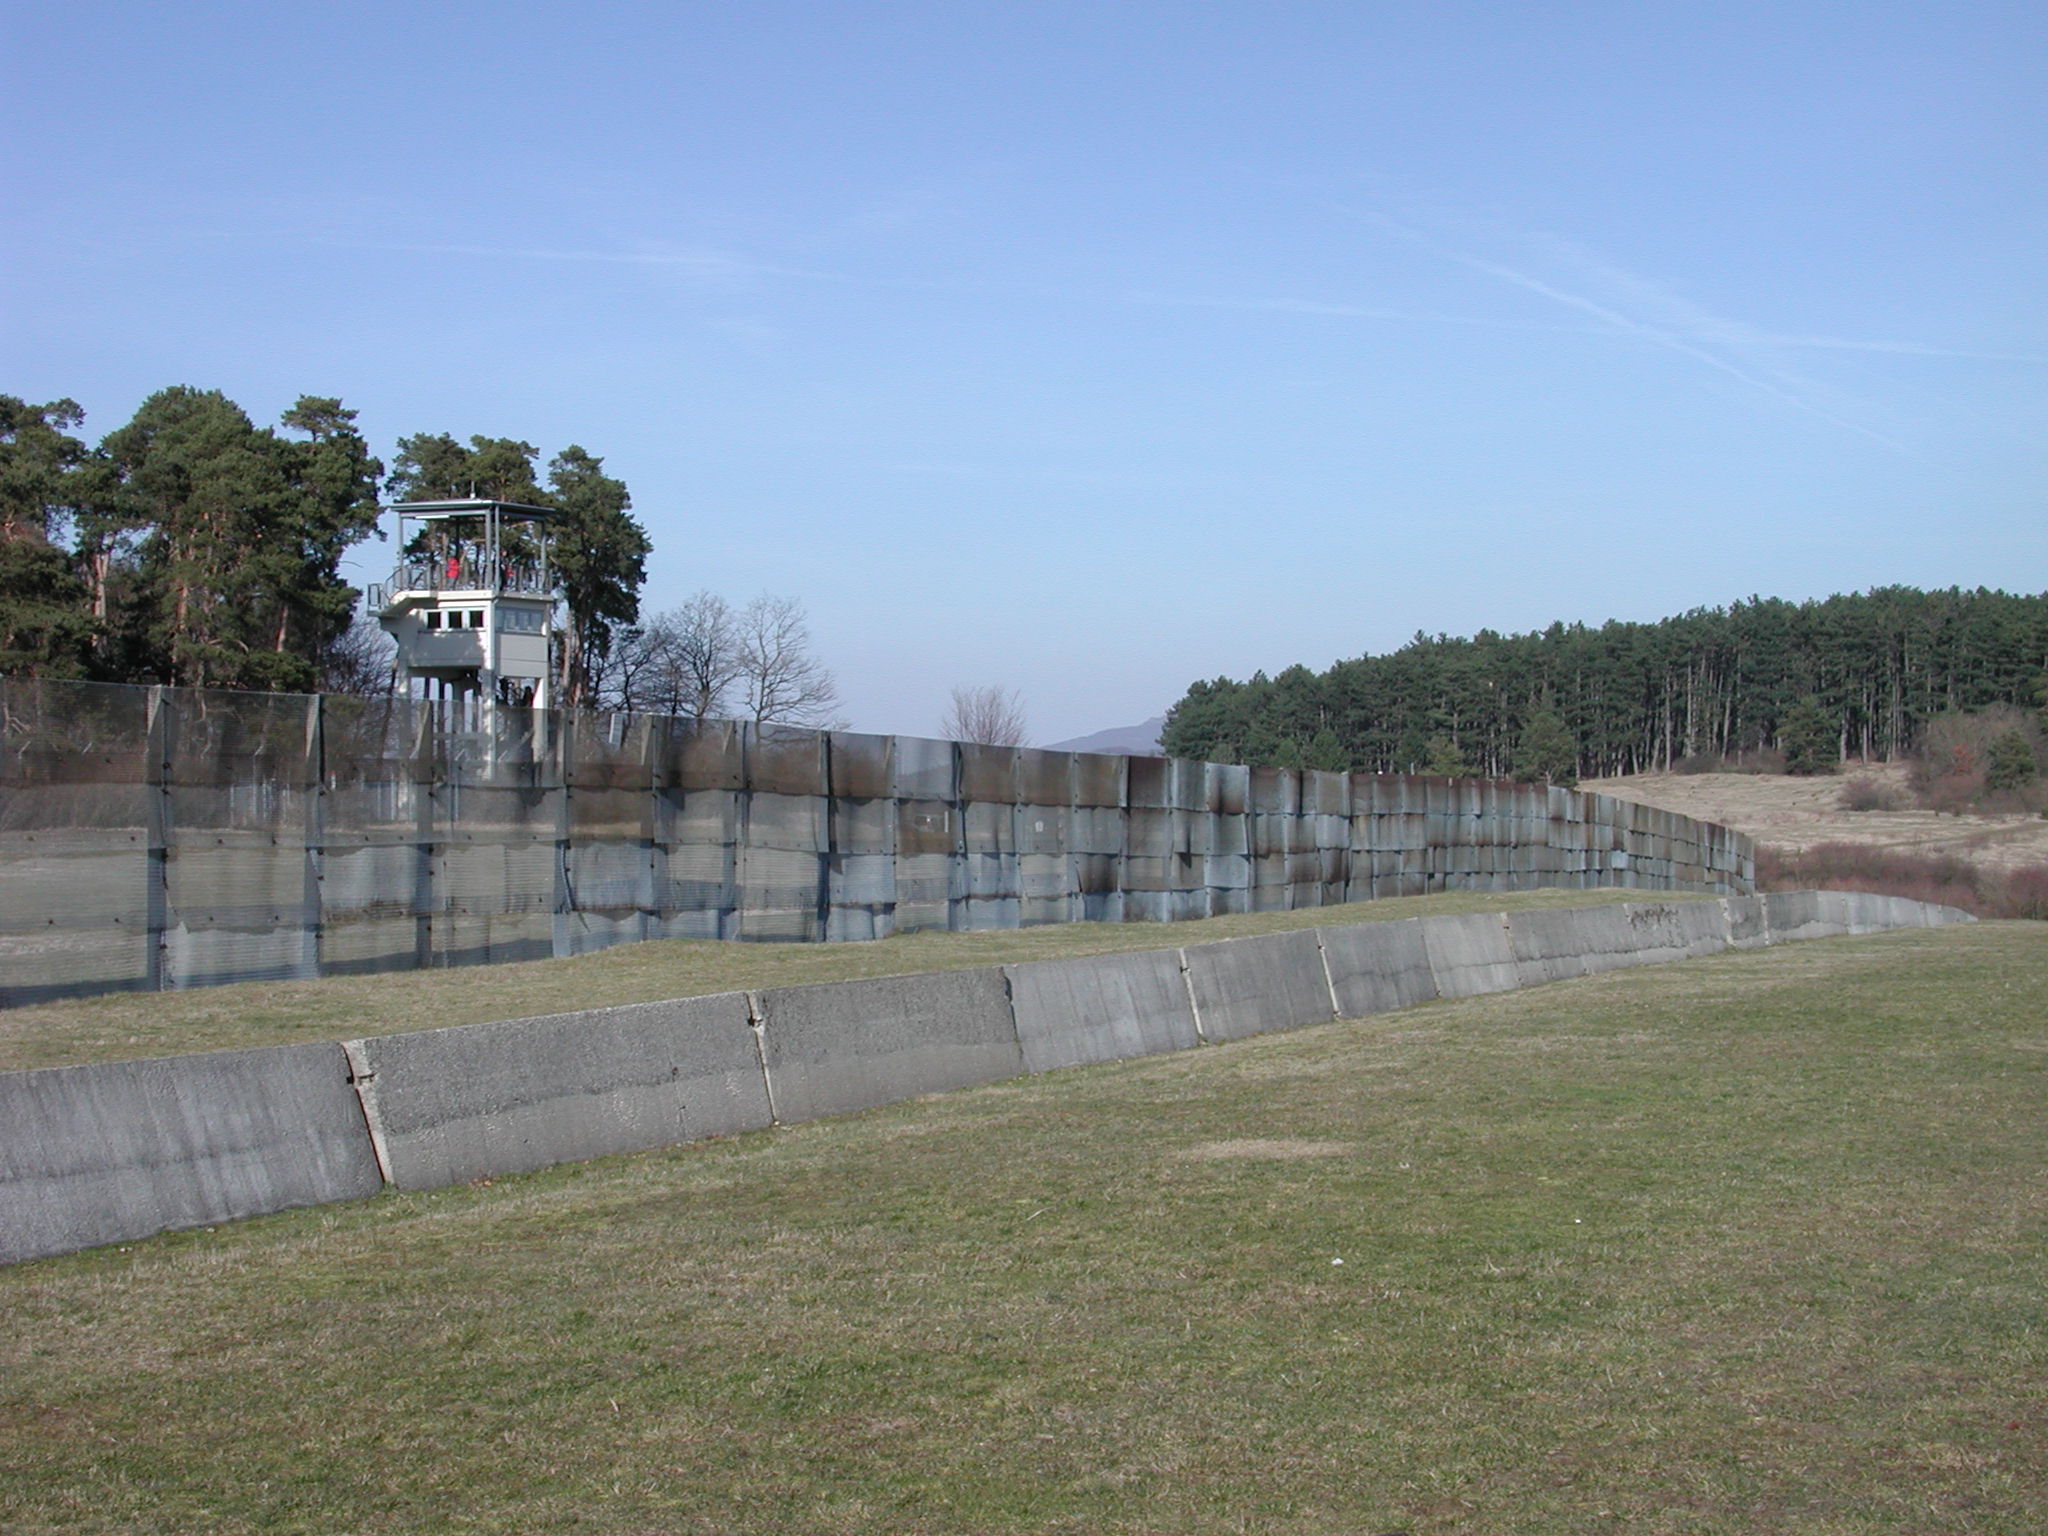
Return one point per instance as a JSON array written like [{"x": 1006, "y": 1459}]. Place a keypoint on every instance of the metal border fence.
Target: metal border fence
[{"x": 157, "y": 837}]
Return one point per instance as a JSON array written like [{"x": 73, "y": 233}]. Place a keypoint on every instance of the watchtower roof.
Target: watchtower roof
[{"x": 471, "y": 506}]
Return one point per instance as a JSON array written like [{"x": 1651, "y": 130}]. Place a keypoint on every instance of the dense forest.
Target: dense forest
[
  {"x": 1716, "y": 683},
  {"x": 192, "y": 546}
]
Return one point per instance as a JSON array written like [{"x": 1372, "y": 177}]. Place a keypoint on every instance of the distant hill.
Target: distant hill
[{"x": 1129, "y": 740}]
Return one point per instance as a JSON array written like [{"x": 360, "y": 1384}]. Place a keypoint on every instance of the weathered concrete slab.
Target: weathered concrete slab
[
  {"x": 1469, "y": 953},
  {"x": 851, "y": 1045},
  {"x": 1674, "y": 930},
  {"x": 100, "y": 1154},
  {"x": 1559, "y": 943},
  {"x": 478, "y": 1100},
  {"x": 1101, "y": 1008},
  {"x": 1252, "y": 986},
  {"x": 1798, "y": 915},
  {"x": 1378, "y": 967},
  {"x": 1748, "y": 918}
]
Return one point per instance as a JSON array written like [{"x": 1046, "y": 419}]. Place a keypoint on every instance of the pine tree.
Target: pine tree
[
  {"x": 1807, "y": 737},
  {"x": 45, "y": 620},
  {"x": 1547, "y": 752}
]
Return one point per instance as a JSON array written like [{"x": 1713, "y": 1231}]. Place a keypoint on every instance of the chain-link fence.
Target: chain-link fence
[{"x": 161, "y": 837}]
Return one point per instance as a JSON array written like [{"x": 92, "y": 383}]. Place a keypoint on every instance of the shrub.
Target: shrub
[
  {"x": 1865, "y": 793},
  {"x": 2010, "y": 764},
  {"x": 1986, "y": 760}
]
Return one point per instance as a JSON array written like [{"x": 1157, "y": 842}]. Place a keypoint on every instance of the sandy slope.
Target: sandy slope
[{"x": 1791, "y": 813}]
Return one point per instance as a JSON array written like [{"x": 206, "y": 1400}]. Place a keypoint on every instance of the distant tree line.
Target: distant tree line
[
  {"x": 1858, "y": 675},
  {"x": 191, "y": 546}
]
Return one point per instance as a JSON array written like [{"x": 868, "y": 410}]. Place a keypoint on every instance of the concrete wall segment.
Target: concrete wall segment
[
  {"x": 1101, "y": 1008},
  {"x": 1378, "y": 967},
  {"x": 478, "y": 1100},
  {"x": 1253, "y": 986},
  {"x": 1469, "y": 953},
  {"x": 847, "y": 1046},
  {"x": 105, "y": 1153}
]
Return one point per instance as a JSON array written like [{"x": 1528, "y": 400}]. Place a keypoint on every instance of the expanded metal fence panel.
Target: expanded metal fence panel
[
  {"x": 862, "y": 767},
  {"x": 988, "y": 774},
  {"x": 76, "y": 841},
  {"x": 1099, "y": 780},
  {"x": 165, "y": 837},
  {"x": 1148, "y": 783}
]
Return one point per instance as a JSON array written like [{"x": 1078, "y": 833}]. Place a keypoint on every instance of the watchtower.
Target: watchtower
[{"x": 471, "y": 605}]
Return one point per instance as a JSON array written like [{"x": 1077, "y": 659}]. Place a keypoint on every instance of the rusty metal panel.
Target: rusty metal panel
[
  {"x": 862, "y": 767},
  {"x": 1044, "y": 778},
  {"x": 1097, "y": 874},
  {"x": 1227, "y": 788},
  {"x": 1147, "y": 906},
  {"x": 1149, "y": 783},
  {"x": 785, "y": 760},
  {"x": 1098, "y": 780},
  {"x": 701, "y": 755},
  {"x": 988, "y": 774},
  {"x": 1275, "y": 792},
  {"x": 1189, "y": 786},
  {"x": 1325, "y": 794}
]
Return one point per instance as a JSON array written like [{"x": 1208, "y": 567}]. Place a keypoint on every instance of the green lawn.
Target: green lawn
[
  {"x": 1747, "y": 1244},
  {"x": 130, "y": 1024}
]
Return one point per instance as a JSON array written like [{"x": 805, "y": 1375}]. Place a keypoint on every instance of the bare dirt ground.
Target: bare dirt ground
[{"x": 1795, "y": 813}]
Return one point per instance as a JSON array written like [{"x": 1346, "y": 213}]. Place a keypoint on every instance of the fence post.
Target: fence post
[
  {"x": 312, "y": 914},
  {"x": 161, "y": 741},
  {"x": 659, "y": 821},
  {"x": 563, "y": 763},
  {"x": 422, "y": 769}
]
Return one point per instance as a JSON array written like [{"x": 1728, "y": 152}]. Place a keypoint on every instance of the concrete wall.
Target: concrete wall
[
  {"x": 100, "y": 1154},
  {"x": 448, "y": 1105}
]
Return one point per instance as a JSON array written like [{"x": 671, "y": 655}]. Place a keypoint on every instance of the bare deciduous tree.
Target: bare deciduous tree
[
  {"x": 780, "y": 679},
  {"x": 993, "y": 716},
  {"x": 684, "y": 661},
  {"x": 360, "y": 661}
]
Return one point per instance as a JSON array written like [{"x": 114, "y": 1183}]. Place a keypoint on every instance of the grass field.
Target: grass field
[
  {"x": 1748, "y": 1244},
  {"x": 130, "y": 1024}
]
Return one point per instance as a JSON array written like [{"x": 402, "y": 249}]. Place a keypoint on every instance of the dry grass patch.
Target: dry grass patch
[{"x": 1746, "y": 1244}]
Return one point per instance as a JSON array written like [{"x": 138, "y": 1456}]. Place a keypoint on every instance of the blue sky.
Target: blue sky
[{"x": 1090, "y": 349}]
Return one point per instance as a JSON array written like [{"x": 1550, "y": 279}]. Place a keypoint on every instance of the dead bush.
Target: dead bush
[
  {"x": 1867, "y": 793},
  {"x": 1957, "y": 751}
]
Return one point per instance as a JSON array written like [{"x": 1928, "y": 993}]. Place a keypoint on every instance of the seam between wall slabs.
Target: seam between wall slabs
[{"x": 1187, "y": 980}]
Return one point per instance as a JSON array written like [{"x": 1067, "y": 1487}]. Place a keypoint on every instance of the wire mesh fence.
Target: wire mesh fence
[{"x": 159, "y": 837}]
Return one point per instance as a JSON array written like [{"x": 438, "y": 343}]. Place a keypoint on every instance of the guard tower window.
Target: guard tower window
[{"x": 433, "y": 618}]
